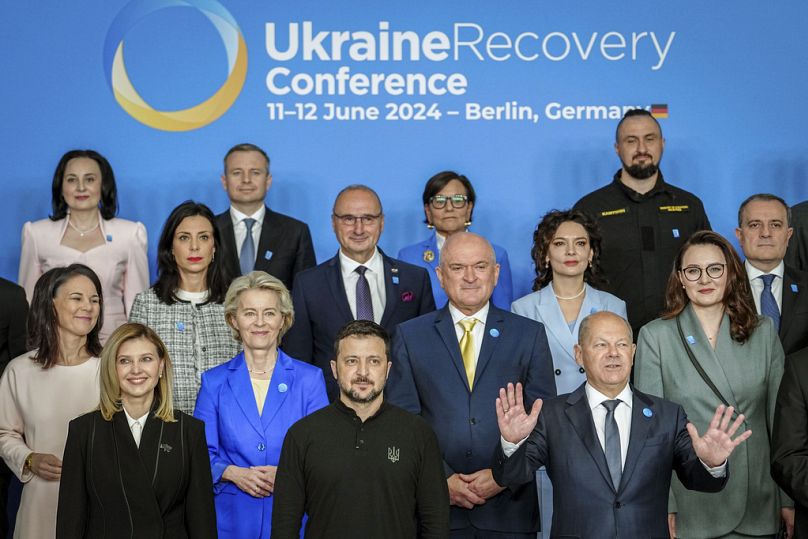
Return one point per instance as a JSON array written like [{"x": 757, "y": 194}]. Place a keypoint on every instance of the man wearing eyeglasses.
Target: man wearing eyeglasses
[
  {"x": 779, "y": 290},
  {"x": 253, "y": 236},
  {"x": 359, "y": 283},
  {"x": 643, "y": 220}
]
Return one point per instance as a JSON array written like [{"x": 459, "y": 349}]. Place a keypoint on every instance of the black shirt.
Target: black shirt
[
  {"x": 642, "y": 234},
  {"x": 379, "y": 478}
]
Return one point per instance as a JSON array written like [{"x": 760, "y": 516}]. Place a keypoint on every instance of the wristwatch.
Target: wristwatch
[{"x": 29, "y": 460}]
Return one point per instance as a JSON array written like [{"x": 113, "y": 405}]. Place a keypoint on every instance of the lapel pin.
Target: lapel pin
[
  {"x": 494, "y": 332},
  {"x": 675, "y": 232},
  {"x": 180, "y": 326},
  {"x": 593, "y": 310},
  {"x": 268, "y": 255},
  {"x": 691, "y": 339},
  {"x": 109, "y": 237},
  {"x": 647, "y": 412},
  {"x": 165, "y": 447},
  {"x": 429, "y": 255},
  {"x": 794, "y": 288},
  {"x": 282, "y": 388},
  {"x": 395, "y": 279}
]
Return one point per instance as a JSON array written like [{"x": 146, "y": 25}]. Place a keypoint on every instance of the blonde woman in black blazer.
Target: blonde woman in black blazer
[{"x": 136, "y": 467}]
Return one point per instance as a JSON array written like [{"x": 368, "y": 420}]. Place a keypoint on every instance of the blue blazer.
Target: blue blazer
[
  {"x": 428, "y": 378},
  {"x": 322, "y": 309},
  {"x": 418, "y": 254},
  {"x": 542, "y": 306},
  {"x": 238, "y": 435},
  {"x": 586, "y": 503}
]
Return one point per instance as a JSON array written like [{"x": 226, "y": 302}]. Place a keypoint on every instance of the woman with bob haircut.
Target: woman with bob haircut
[
  {"x": 250, "y": 402},
  {"x": 136, "y": 467},
  {"x": 566, "y": 253},
  {"x": 42, "y": 390},
  {"x": 185, "y": 306},
  {"x": 448, "y": 200},
  {"x": 83, "y": 228},
  {"x": 710, "y": 347}
]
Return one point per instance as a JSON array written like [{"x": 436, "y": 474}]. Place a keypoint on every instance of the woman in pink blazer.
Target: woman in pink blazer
[{"x": 83, "y": 229}]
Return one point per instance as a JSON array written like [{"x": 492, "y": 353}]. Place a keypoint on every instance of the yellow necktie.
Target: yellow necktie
[{"x": 467, "y": 348}]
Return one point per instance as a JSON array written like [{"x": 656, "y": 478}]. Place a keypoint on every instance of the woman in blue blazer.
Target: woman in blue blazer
[
  {"x": 249, "y": 402},
  {"x": 566, "y": 251},
  {"x": 448, "y": 206}
]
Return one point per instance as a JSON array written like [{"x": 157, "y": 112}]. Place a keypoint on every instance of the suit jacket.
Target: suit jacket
[
  {"x": 12, "y": 323},
  {"x": 748, "y": 376},
  {"x": 428, "y": 378},
  {"x": 322, "y": 309},
  {"x": 542, "y": 306},
  {"x": 237, "y": 434},
  {"x": 586, "y": 504},
  {"x": 284, "y": 248},
  {"x": 110, "y": 487},
  {"x": 419, "y": 255},
  {"x": 794, "y": 317},
  {"x": 120, "y": 263},
  {"x": 790, "y": 438}
]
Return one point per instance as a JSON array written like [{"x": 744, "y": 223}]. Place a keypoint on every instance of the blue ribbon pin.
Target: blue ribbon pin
[
  {"x": 494, "y": 332},
  {"x": 395, "y": 279},
  {"x": 109, "y": 237},
  {"x": 180, "y": 326},
  {"x": 794, "y": 288},
  {"x": 268, "y": 255},
  {"x": 647, "y": 412},
  {"x": 282, "y": 388},
  {"x": 691, "y": 339},
  {"x": 675, "y": 232}
]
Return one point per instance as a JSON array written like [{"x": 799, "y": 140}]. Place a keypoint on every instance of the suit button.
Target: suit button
[
  {"x": 204, "y": 348},
  {"x": 468, "y": 454},
  {"x": 473, "y": 420},
  {"x": 581, "y": 370},
  {"x": 618, "y": 505},
  {"x": 261, "y": 446},
  {"x": 558, "y": 372}
]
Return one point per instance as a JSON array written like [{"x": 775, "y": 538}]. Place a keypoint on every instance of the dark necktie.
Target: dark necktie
[
  {"x": 364, "y": 305},
  {"x": 247, "y": 257},
  {"x": 768, "y": 305},
  {"x": 612, "y": 443}
]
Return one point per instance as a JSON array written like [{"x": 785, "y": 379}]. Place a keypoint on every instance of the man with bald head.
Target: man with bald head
[
  {"x": 448, "y": 365},
  {"x": 608, "y": 448}
]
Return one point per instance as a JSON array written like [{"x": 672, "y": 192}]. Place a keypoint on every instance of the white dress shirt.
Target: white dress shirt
[
  {"x": 240, "y": 229},
  {"x": 757, "y": 283},
  {"x": 439, "y": 240},
  {"x": 141, "y": 421},
  {"x": 375, "y": 277},
  {"x": 477, "y": 332}
]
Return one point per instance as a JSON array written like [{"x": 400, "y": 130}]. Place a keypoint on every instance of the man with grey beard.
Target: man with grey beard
[{"x": 643, "y": 220}]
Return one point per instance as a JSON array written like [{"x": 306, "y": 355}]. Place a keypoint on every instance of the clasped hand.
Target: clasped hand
[{"x": 257, "y": 481}]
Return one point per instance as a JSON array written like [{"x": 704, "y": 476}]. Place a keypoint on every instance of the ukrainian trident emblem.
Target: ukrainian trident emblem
[{"x": 392, "y": 454}]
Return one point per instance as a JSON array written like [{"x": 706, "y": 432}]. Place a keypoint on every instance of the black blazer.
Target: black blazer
[
  {"x": 322, "y": 309},
  {"x": 111, "y": 488},
  {"x": 283, "y": 250},
  {"x": 12, "y": 322},
  {"x": 794, "y": 318}
]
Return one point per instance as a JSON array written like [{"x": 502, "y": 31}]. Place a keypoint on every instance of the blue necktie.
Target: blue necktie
[
  {"x": 247, "y": 257},
  {"x": 768, "y": 305},
  {"x": 612, "y": 443},
  {"x": 364, "y": 305}
]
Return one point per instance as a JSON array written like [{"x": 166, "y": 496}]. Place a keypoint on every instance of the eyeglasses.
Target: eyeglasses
[
  {"x": 439, "y": 201},
  {"x": 350, "y": 220},
  {"x": 693, "y": 273}
]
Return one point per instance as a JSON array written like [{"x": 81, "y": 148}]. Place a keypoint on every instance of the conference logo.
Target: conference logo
[{"x": 193, "y": 117}]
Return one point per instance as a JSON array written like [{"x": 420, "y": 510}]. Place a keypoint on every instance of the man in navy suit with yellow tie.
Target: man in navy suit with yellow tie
[
  {"x": 448, "y": 367},
  {"x": 608, "y": 448}
]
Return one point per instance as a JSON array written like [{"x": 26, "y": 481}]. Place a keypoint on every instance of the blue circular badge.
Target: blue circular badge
[
  {"x": 283, "y": 388},
  {"x": 647, "y": 412},
  {"x": 494, "y": 332}
]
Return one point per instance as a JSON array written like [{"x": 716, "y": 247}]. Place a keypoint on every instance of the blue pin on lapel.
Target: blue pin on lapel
[
  {"x": 691, "y": 339},
  {"x": 494, "y": 332},
  {"x": 395, "y": 279},
  {"x": 109, "y": 238},
  {"x": 268, "y": 255},
  {"x": 180, "y": 326},
  {"x": 394, "y": 272},
  {"x": 794, "y": 288},
  {"x": 647, "y": 412},
  {"x": 282, "y": 388}
]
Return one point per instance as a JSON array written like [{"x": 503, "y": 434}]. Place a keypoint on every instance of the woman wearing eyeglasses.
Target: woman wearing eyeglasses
[
  {"x": 448, "y": 207},
  {"x": 710, "y": 325}
]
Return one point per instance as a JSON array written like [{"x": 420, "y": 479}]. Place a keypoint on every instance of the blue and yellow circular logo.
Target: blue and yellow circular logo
[{"x": 175, "y": 120}]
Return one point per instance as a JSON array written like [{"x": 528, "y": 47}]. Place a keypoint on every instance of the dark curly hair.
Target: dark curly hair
[
  {"x": 543, "y": 235},
  {"x": 738, "y": 302}
]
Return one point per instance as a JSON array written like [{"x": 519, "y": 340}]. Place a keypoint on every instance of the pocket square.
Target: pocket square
[{"x": 407, "y": 296}]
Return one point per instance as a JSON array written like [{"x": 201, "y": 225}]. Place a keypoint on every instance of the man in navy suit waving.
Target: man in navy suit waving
[{"x": 609, "y": 448}]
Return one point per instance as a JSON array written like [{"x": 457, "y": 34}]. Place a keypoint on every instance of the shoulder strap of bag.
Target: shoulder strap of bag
[{"x": 698, "y": 366}]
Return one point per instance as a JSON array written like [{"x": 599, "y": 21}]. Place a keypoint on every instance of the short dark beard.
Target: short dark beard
[
  {"x": 641, "y": 172},
  {"x": 354, "y": 397}
]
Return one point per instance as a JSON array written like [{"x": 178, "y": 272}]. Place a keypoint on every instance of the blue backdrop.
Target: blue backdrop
[{"x": 732, "y": 79}]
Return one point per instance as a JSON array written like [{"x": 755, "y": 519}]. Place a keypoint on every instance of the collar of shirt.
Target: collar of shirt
[
  {"x": 349, "y": 265},
  {"x": 238, "y": 218},
  {"x": 756, "y": 284},
  {"x": 754, "y": 273},
  {"x": 375, "y": 278},
  {"x": 194, "y": 298},
  {"x": 622, "y": 416},
  {"x": 439, "y": 240},
  {"x": 351, "y": 413},
  {"x": 141, "y": 419},
  {"x": 477, "y": 332},
  {"x": 596, "y": 398},
  {"x": 659, "y": 187}
]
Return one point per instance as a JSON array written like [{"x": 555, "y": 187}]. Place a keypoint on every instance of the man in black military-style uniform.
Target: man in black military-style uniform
[{"x": 643, "y": 219}]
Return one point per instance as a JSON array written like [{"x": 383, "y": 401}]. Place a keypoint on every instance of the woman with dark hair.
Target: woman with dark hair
[
  {"x": 566, "y": 253},
  {"x": 83, "y": 228},
  {"x": 710, "y": 347},
  {"x": 448, "y": 207},
  {"x": 135, "y": 450},
  {"x": 185, "y": 306},
  {"x": 42, "y": 390}
]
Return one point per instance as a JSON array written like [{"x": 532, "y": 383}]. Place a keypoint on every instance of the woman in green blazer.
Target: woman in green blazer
[{"x": 710, "y": 312}]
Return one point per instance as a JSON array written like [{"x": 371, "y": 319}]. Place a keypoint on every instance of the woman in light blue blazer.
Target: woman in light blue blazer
[
  {"x": 566, "y": 251},
  {"x": 448, "y": 207},
  {"x": 249, "y": 403}
]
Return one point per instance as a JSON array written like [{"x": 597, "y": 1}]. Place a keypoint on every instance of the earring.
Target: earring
[
  {"x": 430, "y": 226},
  {"x": 467, "y": 224}
]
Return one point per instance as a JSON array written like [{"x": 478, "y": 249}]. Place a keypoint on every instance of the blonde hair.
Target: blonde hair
[
  {"x": 110, "y": 385},
  {"x": 258, "y": 280}
]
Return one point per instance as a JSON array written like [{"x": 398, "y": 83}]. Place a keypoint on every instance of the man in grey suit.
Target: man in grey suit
[{"x": 609, "y": 448}]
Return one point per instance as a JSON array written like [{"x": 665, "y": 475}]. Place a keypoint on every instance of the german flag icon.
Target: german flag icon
[{"x": 659, "y": 111}]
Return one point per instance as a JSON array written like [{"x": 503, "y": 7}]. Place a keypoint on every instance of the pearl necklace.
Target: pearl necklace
[
  {"x": 570, "y": 297},
  {"x": 82, "y": 233}
]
